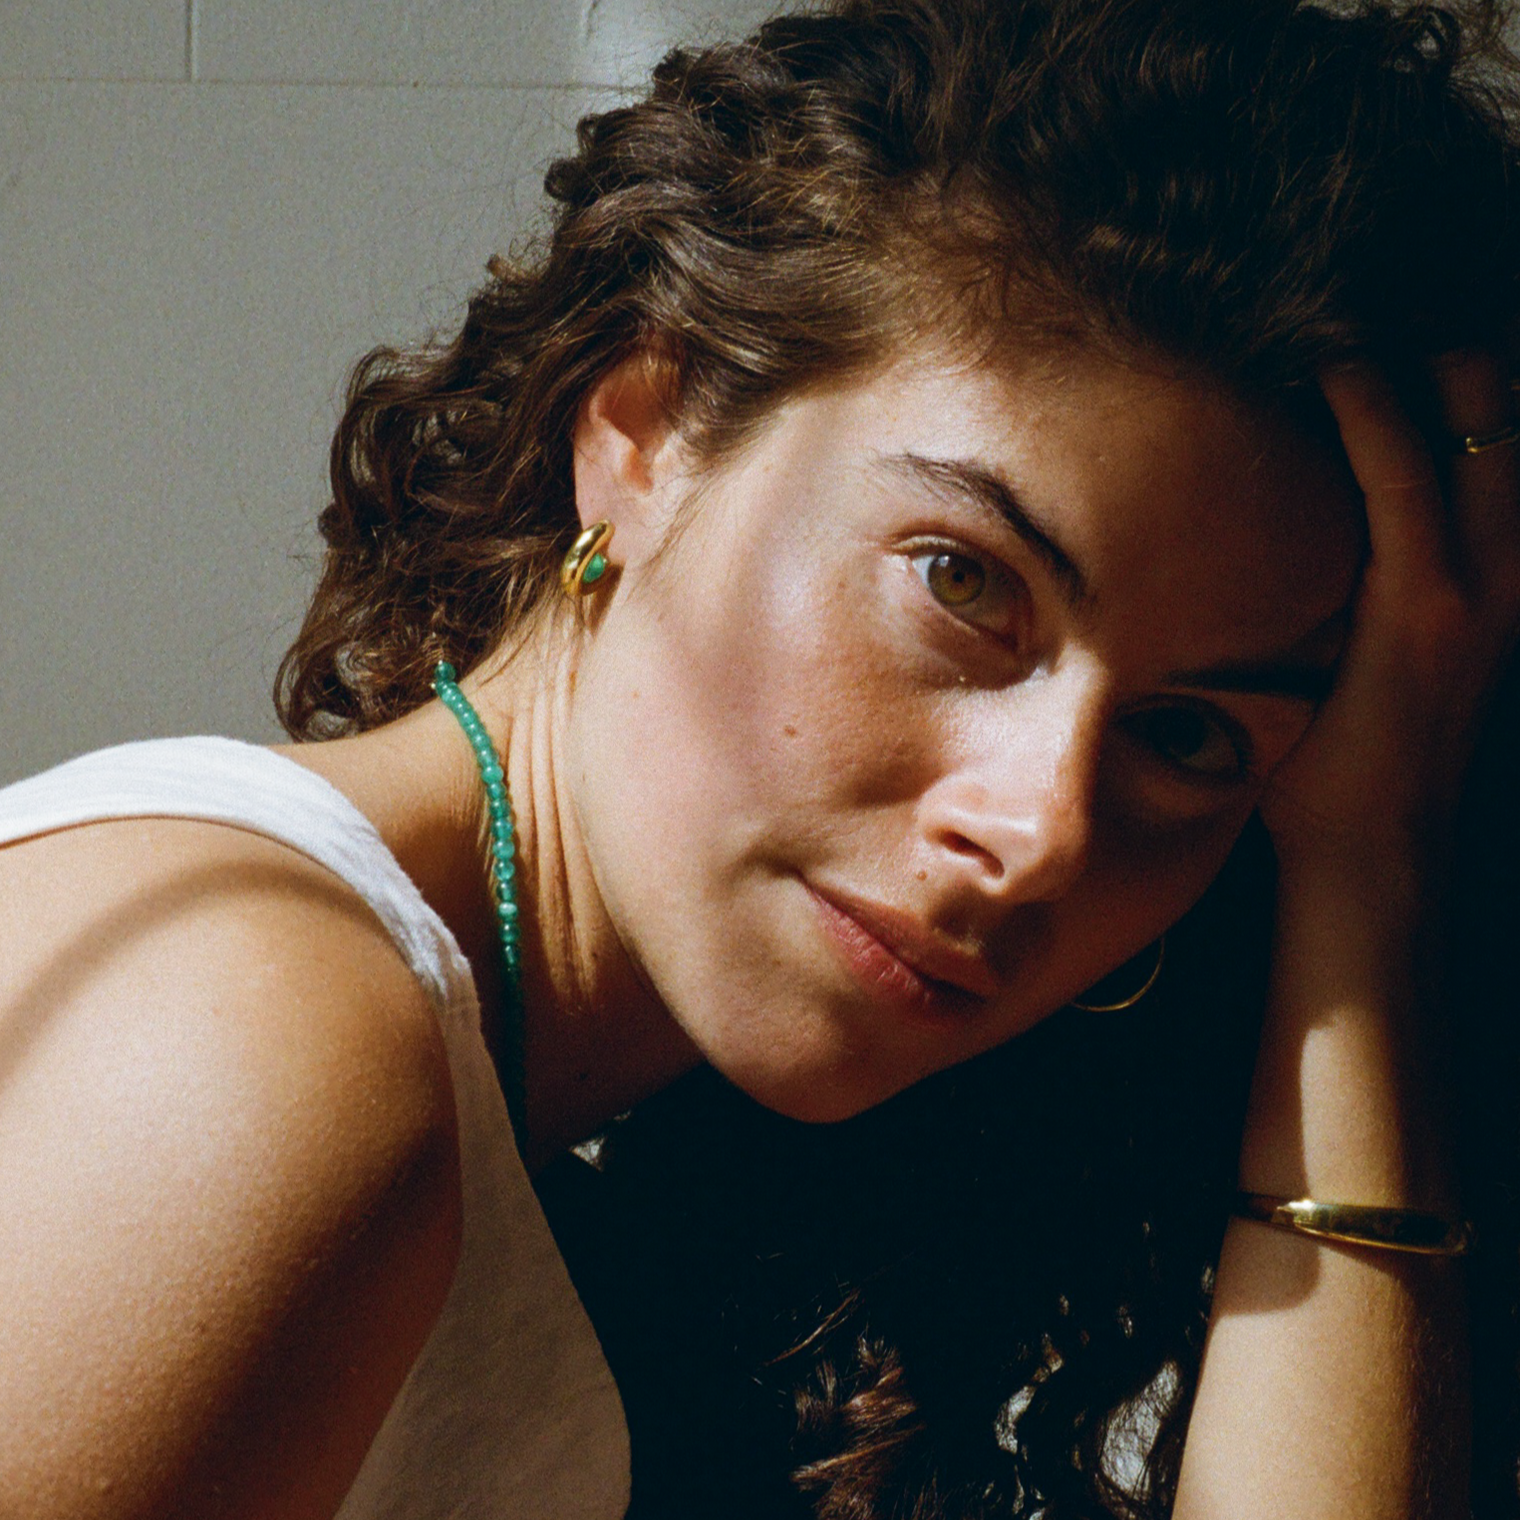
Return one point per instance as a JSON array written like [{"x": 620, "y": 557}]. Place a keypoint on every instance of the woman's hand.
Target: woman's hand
[
  {"x": 1346, "y": 1362},
  {"x": 1374, "y": 782}
]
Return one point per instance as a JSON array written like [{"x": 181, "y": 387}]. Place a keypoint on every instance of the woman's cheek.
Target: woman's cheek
[{"x": 1163, "y": 865}]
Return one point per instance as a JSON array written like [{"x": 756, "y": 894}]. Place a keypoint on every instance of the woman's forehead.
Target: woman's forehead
[
  {"x": 1088, "y": 426},
  {"x": 1141, "y": 487},
  {"x": 1171, "y": 490}
]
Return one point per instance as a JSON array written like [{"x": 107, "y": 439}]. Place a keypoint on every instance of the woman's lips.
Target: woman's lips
[{"x": 897, "y": 958}]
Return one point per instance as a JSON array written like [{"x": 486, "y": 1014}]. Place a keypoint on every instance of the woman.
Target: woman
[{"x": 949, "y": 472}]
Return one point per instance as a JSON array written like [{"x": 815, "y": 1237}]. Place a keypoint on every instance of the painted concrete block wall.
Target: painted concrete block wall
[
  {"x": 93, "y": 39},
  {"x": 443, "y": 42},
  {"x": 208, "y": 210}
]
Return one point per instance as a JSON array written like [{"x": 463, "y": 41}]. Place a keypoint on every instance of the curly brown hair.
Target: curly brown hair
[{"x": 1250, "y": 190}]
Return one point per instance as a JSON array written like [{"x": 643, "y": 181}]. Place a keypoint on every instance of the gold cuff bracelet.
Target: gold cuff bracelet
[{"x": 1361, "y": 1225}]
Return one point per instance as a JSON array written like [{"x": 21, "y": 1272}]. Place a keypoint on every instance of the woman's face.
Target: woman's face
[{"x": 947, "y": 696}]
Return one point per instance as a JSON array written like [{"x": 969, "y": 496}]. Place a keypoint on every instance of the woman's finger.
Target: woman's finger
[
  {"x": 1479, "y": 412},
  {"x": 1409, "y": 530}
]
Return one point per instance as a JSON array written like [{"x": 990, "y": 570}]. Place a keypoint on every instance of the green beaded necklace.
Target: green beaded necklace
[{"x": 509, "y": 1042}]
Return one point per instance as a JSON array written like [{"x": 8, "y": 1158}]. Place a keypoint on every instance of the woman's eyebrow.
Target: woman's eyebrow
[
  {"x": 1302, "y": 681},
  {"x": 1304, "y": 673},
  {"x": 984, "y": 489},
  {"x": 1299, "y": 679}
]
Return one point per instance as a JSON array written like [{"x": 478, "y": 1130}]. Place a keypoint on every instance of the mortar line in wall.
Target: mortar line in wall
[
  {"x": 192, "y": 41},
  {"x": 416, "y": 87}
]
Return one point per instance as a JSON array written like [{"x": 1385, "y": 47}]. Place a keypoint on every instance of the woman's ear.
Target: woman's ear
[{"x": 626, "y": 446}]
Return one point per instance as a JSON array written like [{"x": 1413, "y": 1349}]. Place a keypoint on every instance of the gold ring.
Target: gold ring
[{"x": 1480, "y": 443}]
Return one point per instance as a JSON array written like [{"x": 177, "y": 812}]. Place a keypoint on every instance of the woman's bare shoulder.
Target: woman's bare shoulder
[{"x": 229, "y": 1195}]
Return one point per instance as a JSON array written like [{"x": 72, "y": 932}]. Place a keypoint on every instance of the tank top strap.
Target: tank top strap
[{"x": 246, "y": 786}]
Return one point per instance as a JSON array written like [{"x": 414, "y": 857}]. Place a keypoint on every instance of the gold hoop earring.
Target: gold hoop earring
[
  {"x": 586, "y": 561},
  {"x": 1134, "y": 997}
]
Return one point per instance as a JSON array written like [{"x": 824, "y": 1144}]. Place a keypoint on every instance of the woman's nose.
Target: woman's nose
[{"x": 1015, "y": 819}]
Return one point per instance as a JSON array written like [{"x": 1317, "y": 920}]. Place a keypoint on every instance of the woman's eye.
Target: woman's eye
[
  {"x": 1192, "y": 740},
  {"x": 955, "y": 579},
  {"x": 971, "y": 589}
]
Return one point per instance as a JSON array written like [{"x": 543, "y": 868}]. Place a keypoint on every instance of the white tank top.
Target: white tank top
[{"x": 509, "y": 1412}]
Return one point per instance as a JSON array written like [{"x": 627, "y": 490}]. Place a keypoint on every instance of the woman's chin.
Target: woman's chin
[{"x": 817, "y": 1093}]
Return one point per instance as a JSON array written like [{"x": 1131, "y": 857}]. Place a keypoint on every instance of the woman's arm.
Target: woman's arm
[
  {"x": 1334, "y": 1379},
  {"x": 228, "y": 1177}
]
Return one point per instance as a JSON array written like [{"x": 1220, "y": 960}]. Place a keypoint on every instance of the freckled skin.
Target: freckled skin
[{"x": 777, "y": 701}]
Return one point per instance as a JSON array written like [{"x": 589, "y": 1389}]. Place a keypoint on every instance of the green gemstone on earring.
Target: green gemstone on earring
[{"x": 595, "y": 566}]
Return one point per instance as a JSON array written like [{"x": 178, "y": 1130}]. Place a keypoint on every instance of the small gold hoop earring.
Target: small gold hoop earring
[
  {"x": 1134, "y": 997},
  {"x": 586, "y": 562}
]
